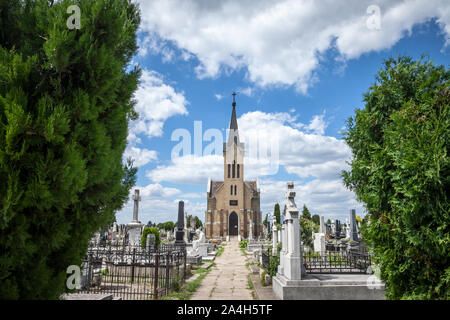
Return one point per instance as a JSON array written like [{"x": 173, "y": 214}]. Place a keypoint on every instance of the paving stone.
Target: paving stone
[{"x": 228, "y": 280}]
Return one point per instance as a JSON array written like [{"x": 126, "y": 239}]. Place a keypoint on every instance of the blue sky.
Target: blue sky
[{"x": 297, "y": 83}]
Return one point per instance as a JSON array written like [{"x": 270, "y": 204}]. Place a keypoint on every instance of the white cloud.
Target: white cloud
[
  {"x": 156, "y": 190},
  {"x": 317, "y": 124},
  {"x": 141, "y": 156},
  {"x": 189, "y": 169},
  {"x": 329, "y": 198},
  {"x": 281, "y": 42},
  {"x": 304, "y": 153},
  {"x": 246, "y": 91},
  {"x": 218, "y": 96},
  {"x": 156, "y": 102},
  {"x": 160, "y": 204}
]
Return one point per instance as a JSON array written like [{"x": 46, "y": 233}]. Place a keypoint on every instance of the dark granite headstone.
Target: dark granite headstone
[
  {"x": 353, "y": 229},
  {"x": 180, "y": 224}
]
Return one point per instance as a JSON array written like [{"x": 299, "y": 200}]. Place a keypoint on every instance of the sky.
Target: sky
[{"x": 299, "y": 68}]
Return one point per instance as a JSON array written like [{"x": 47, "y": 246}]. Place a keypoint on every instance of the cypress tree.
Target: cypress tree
[
  {"x": 65, "y": 102},
  {"x": 276, "y": 212}
]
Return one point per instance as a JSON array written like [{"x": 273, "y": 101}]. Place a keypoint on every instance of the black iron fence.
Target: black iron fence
[
  {"x": 349, "y": 261},
  {"x": 133, "y": 273}
]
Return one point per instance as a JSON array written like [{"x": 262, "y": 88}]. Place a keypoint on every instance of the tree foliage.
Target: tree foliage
[
  {"x": 307, "y": 227},
  {"x": 316, "y": 219},
  {"x": 305, "y": 212},
  {"x": 400, "y": 170},
  {"x": 65, "y": 102},
  {"x": 277, "y": 213},
  {"x": 168, "y": 226},
  {"x": 265, "y": 222}
]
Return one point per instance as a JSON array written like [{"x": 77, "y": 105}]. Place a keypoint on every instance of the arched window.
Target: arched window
[
  {"x": 231, "y": 190},
  {"x": 238, "y": 170},
  {"x": 229, "y": 167},
  {"x": 234, "y": 169},
  {"x": 235, "y": 190}
]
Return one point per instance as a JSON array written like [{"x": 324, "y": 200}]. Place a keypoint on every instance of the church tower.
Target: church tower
[{"x": 233, "y": 204}]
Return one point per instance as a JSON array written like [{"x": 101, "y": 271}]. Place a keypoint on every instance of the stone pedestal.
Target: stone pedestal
[
  {"x": 134, "y": 233},
  {"x": 274, "y": 238},
  {"x": 329, "y": 287},
  {"x": 291, "y": 261},
  {"x": 319, "y": 242}
]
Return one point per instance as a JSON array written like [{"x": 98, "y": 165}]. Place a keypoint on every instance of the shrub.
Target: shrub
[
  {"x": 400, "y": 171},
  {"x": 65, "y": 100}
]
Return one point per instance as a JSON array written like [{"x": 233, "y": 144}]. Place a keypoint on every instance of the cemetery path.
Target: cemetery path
[{"x": 228, "y": 280}]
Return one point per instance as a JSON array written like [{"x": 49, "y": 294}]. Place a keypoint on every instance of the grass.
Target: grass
[
  {"x": 220, "y": 251},
  {"x": 250, "y": 287},
  {"x": 189, "y": 288}
]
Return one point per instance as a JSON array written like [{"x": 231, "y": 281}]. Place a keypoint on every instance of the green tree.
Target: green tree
[
  {"x": 306, "y": 228},
  {"x": 305, "y": 213},
  {"x": 198, "y": 222},
  {"x": 276, "y": 213},
  {"x": 65, "y": 102},
  {"x": 265, "y": 222},
  {"x": 400, "y": 170},
  {"x": 316, "y": 219}
]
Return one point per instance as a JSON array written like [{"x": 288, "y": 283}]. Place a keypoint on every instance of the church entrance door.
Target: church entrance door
[{"x": 233, "y": 224}]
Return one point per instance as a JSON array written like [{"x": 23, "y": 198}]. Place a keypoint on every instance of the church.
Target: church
[{"x": 233, "y": 205}]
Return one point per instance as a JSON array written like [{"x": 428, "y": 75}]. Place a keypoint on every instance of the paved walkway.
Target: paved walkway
[{"x": 228, "y": 280}]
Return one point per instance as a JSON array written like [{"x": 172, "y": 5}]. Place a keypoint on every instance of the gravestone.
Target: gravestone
[
  {"x": 150, "y": 241},
  {"x": 322, "y": 228},
  {"x": 337, "y": 228},
  {"x": 292, "y": 268},
  {"x": 353, "y": 227},
  {"x": 274, "y": 237},
  {"x": 179, "y": 235},
  {"x": 135, "y": 226},
  {"x": 347, "y": 229}
]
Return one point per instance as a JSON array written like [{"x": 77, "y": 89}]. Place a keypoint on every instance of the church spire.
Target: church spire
[
  {"x": 233, "y": 134},
  {"x": 233, "y": 123}
]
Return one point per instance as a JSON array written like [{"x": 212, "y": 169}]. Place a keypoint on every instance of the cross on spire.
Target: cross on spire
[{"x": 234, "y": 101}]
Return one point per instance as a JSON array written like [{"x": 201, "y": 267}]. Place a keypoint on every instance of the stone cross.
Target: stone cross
[{"x": 136, "y": 199}]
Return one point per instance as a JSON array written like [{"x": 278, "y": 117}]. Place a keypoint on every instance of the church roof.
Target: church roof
[
  {"x": 215, "y": 186},
  {"x": 252, "y": 185}
]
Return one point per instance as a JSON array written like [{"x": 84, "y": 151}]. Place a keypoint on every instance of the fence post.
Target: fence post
[
  {"x": 184, "y": 269},
  {"x": 167, "y": 271},
  {"x": 90, "y": 271},
  {"x": 155, "y": 285},
  {"x": 132, "y": 265}
]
